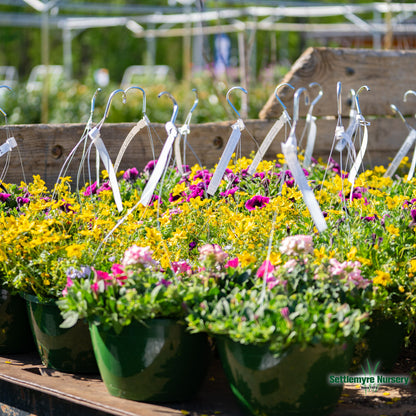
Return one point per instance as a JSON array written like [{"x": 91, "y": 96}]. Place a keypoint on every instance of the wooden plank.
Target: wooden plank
[
  {"x": 388, "y": 74},
  {"x": 45, "y": 147}
]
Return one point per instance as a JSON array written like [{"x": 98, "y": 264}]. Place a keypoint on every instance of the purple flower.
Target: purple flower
[
  {"x": 413, "y": 214},
  {"x": 21, "y": 201},
  {"x": 104, "y": 187},
  {"x": 229, "y": 192},
  {"x": 4, "y": 196},
  {"x": 290, "y": 183},
  {"x": 258, "y": 201},
  {"x": 260, "y": 175},
  {"x": 173, "y": 198},
  {"x": 131, "y": 174},
  {"x": 192, "y": 245},
  {"x": 155, "y": 198},
  {"x": 164, "y": 282},
  {"x": 150, "y": 166}
]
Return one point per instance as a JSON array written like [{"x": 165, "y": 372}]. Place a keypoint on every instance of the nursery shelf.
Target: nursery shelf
[{"x": 29, "y": 388}]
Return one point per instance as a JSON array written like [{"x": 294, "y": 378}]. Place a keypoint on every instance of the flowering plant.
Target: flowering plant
[
  {"x": 301, "y": 301},
  {"x": 135, "y": 289}
]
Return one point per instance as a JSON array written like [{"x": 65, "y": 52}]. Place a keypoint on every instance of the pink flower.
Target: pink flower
[
  {"x": 95, "y": 287},
  {"x": 137, "y": 255},
  {"x": 118, "y": 272},
  {"x": 265, "y": 270},
  {"x": 296, "y": 244},
  {"x": 181, "y": 267},
  {"x": 212, "y": 251},
  {"x": 69, "y": 283},
  {"x": 290, "y": 265},
  {"x": 91, "y": 189},
  {"x": 232, "y": 263}
]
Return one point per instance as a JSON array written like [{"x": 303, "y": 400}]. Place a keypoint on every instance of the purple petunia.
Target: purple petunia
[
  {"x": 4, "y": 197},
  {"x": 131, "y": 174},
  {"x": 258, "y": 201}
]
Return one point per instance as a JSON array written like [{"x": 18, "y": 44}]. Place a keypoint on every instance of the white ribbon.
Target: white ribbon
[
  {"x": 404, "y": 149},
  {"x": 290, "y": 152},
  {"x": 310, "y": 144},
  {"x": 237, "y": 127},
  {"x": 8, "y": 146},
  {"x": 284, "y": 118},
  {"x": 95, "y": 136},
  {"x": 358, "y": 160},
  {"x": 160, "y": 165},
  {"x": 132, "y": 133}
]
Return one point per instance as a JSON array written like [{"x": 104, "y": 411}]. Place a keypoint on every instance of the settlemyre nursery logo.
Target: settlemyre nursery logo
[{"x": 369, "y": 380}]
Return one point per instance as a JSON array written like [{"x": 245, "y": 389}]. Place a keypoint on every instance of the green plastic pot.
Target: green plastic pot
[
  {"x": 382, "y": 344},
  {"x": 296, "y": 383},
  {"x": 15, "y": 333},
  {"x": 68, "y": 350},
  {"x": 157, "y": 361}
]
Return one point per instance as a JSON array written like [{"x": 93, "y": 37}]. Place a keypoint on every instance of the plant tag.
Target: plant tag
[
  {"x": 310, "y": 144},
  {"x": 105, "y": 157},
  {"x": 8, "y": 146},
  {"x": 358, "y": 160},
  {"x": 284, "y": 118},
  {"x": 237, "y": 127},
  {"x": 407, "y": 144},
  {"x": 290, "y": 152},
  {"x": 132, "y": 133},
  {"x": 160, "y": 165}
]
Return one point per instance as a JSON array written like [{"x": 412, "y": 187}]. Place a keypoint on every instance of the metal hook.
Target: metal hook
[
  {"x": 195, "y": 102},
  {"x": 144, "y": 97},
  {"x": 277, "y": 97},
  {"x": 357, "y": 103},
  {"x": 339, "y": 98},
  {"x": 107, "y": 108},
  {"x": 229, "y": 102},
  {"x": 296, "y": 99},
  {"x": 93, "y": 101},
  {"x": 318, "y": 97},
  {"x": 1, "y": 110},
  {"x": 397, "y": 111},
  {"x": 175, "y": 105},
  {"x": 407, "y": 93}
]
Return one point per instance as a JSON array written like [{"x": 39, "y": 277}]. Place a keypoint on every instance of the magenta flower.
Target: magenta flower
[
  {"x": 91, "y": 189},
  {"x": 150, "y": 166},
  {"x": 131, "y": 174},
  {"x": 229, "y": 192},
  {"x": 4, "y": 197},
  {"x": 22, "y": 201},
  {"x": 181, "y": 267},
  {"x": 232, "y": 263},
  {"x": 265, "y": 270},
  {"x": 69, "y": 283},
  {"x": 118, "y": 272},
  {"x": 258, "y": 201},
  {"x": 104, "y": 187},
  {"x": 164, "y": 282}
]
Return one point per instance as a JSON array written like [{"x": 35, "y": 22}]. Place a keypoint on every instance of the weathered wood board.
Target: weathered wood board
[
  {"x": 388, "y": 74},
  {"x": 44, "y": 148}
]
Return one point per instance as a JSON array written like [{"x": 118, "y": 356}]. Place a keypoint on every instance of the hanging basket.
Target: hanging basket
[
  {"x": 15, "y": 333},
  {"x": 157, "y": 361},
  {"x": 294, "y": 384},
  {"x": 67, "y": 350}
]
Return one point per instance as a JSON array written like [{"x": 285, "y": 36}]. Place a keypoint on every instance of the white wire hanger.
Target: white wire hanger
[
  {"x": 95, "y": 136},
  {"x": 406, "y": 146},
  {"x": 164, "y": 157},
  {"x": 310, "y": 127},
  {"x": 184, "y": 130},
  {"x": 289, "y": 149},
  {"x": 233, "y": 140},
  {"x": 283, "y": 120}
]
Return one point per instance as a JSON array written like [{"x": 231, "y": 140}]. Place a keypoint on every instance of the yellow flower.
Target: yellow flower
[
  {"x": 392, "y": 230},
  {"x": 75, "y": 250},
  {"x": 412, "y": 268},
  {"x": 246, "y": 258},
  {"x": 382, "y": 278},
  {"x": 352, "y": 253},
  {"x": 401, "y": 289}
]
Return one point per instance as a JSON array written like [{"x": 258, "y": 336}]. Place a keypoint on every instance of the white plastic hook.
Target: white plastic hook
[
  {"x": 228, "y": 99},
  {"x": 296, "y": 99},
  {"x": 357, "y": 102}
]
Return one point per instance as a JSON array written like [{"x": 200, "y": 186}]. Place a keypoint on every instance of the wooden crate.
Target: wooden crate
[{"x": 388, "y": 74}]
